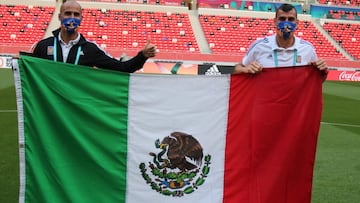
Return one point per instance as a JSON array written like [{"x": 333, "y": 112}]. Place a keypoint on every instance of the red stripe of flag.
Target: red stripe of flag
[{"x": 273, "y": 125}]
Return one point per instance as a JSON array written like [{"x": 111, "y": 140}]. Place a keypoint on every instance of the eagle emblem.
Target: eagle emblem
[{"x": 179, "y": 167}]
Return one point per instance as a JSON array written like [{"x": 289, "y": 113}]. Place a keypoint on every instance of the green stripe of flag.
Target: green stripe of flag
[{"x": 61, "y": 110}]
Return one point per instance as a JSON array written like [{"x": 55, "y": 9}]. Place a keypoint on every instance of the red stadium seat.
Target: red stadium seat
[{"x": 24, "y": 24}]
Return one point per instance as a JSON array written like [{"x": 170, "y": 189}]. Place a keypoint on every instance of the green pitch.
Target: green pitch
[{"x": 337, "y": 166}]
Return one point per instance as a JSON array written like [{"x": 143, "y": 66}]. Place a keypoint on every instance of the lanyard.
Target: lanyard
[
  {"x": 55, "y": 52},
  {"x": 277, "y": 61}
]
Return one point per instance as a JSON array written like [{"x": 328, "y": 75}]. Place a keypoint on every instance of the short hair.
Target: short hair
[
  {"x": 69, "y": 2},
  {"x": 286, "y": 8}
]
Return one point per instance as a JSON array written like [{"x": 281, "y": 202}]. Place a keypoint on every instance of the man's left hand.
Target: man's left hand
[{"x": 320, "y": 64}]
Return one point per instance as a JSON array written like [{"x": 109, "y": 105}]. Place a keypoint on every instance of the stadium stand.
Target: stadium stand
[
  {"x": 24, "y": 24},
  {"x": 346, "y": 35},
  {"x": 130, "y": 29},
  {"x": 235, "y": 33},
  {"x": 151, "y": 2},
  {"x": 340, "y": 2},
  {"x": 343, "y": 14},
  {"x": 231, "y": 33}
]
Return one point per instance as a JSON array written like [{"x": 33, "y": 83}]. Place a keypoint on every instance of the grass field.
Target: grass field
[{"x": 337, "y": 166}]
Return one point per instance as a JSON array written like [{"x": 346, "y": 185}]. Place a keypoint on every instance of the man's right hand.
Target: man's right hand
[{"x": 252, "y": 68}]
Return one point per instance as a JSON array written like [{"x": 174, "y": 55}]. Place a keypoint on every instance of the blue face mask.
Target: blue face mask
[
  {"x": 286, "y": 28},
  {"x": 71, "y": 24}
]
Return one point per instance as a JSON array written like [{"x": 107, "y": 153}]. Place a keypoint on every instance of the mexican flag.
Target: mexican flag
[{"x": 91, "y": 135}]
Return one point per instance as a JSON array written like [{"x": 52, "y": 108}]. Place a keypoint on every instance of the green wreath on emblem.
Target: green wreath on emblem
[{"x": 171, "y": 183}]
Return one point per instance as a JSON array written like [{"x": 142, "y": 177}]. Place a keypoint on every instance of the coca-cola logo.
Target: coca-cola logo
[{"x": 349, "y": 76}]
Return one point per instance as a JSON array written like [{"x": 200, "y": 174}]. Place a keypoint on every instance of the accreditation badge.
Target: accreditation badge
[{"x": 50, "y": 50}]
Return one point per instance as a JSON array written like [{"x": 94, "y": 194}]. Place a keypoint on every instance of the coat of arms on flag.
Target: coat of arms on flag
[{"x": 182, "y": 171}]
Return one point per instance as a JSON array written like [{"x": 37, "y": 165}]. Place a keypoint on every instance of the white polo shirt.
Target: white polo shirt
[{"x": 269, "y": 54}]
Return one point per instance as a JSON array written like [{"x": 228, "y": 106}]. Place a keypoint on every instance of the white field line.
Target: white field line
[
  {"x": 7, "y": 111},
  {"x": 341, "y": 124}
]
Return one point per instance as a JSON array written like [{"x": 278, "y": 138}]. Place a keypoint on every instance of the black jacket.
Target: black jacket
[{"x": 91, "y": 55}]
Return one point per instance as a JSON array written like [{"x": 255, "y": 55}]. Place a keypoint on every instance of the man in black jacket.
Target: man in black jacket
[{"x": 68, "y": 45}]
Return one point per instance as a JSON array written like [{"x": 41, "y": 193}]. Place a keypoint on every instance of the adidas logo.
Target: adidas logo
[{"x": 213, "y": 70}]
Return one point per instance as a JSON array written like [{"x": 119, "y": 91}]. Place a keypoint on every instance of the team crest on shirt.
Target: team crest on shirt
[
  {"x": 298, "y": 59},
  {"x": 50, "y": 50},
  {"x": 178, "y": 165}
]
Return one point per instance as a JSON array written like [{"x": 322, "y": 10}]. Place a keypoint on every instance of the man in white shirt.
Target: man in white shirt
[{"x": 281, "y": 49}]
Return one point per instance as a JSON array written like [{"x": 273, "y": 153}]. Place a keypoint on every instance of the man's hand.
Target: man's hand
[
  {"x": 149, "y": 49},
  {"x": 320, "y": 64},
  {"x": 252, "y": 68}
]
